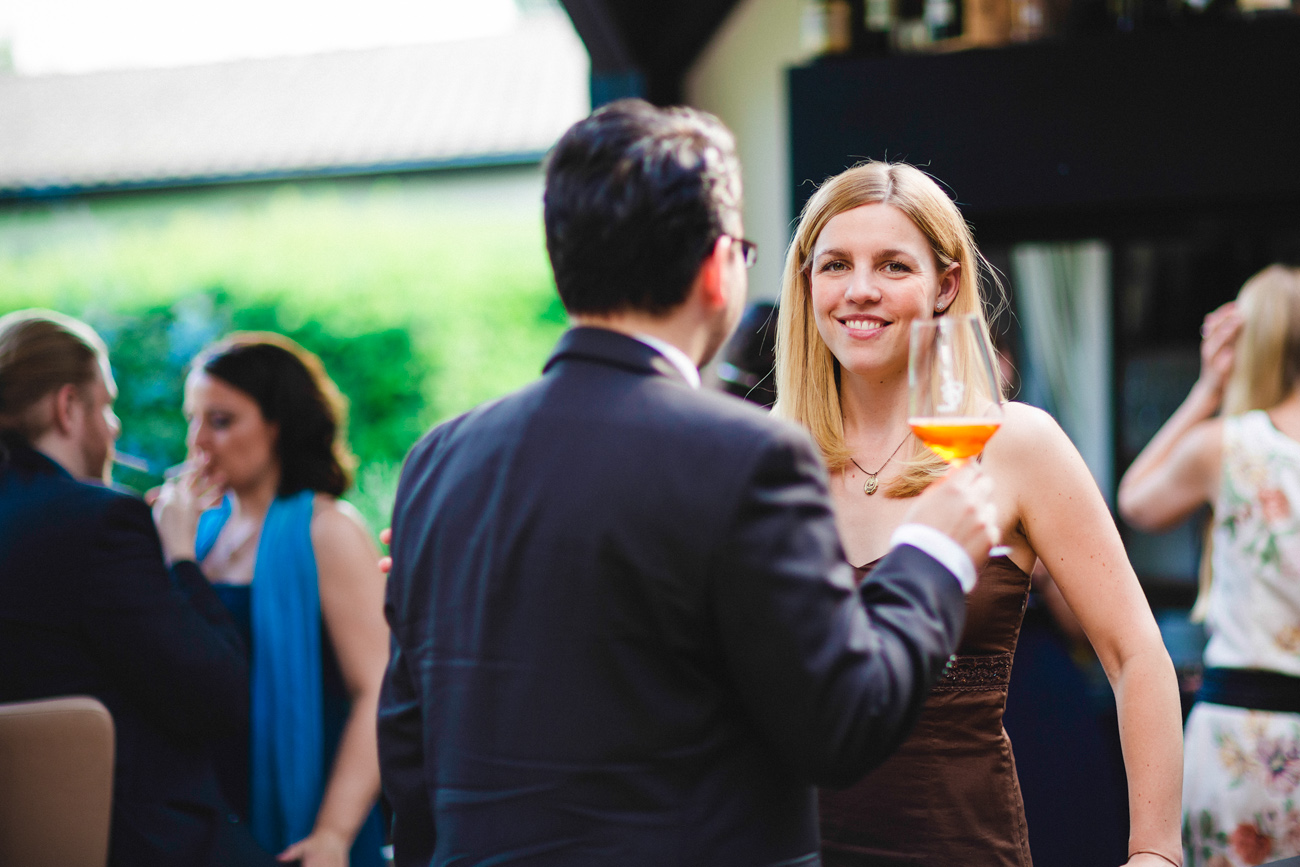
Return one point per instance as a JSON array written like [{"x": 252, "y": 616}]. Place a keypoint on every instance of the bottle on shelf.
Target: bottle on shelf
[
  {"x": 826, "y": 27},
  {"x": 987, "y": 22},
  {"x": 1028, "y": 20},
  {"x": 878, "y": 18},
  {"x": 940, "y": 18},
  {"x": 910, "y": 32}
]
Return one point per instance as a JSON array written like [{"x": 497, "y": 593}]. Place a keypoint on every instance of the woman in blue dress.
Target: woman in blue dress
[{"x": 297, "y": 567}]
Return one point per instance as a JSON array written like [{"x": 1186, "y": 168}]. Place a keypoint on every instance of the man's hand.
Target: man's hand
[
  {"x": 386, "y": 538},
  {"x": 961, "y": 506}
]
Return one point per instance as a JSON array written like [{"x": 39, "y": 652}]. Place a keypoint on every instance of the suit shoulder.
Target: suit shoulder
[
  {"x": 442, "y": 432},
  {"x": 81, "y": 501},
  {"x": 72, "y": 524},
  {"x": 479, "y": 415},
  {"x": 111, "y": 499},
  {"x": 112, "y": 511},
  {"x": 731, "y": 416}
]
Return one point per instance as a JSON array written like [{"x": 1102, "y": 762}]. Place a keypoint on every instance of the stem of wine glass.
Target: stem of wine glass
[{"x": 996, "y": 550}]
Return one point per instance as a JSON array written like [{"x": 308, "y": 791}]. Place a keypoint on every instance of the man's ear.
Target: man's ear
[
  {"x": 68, "y": 409},
  {"x": 710, "y": 280}
]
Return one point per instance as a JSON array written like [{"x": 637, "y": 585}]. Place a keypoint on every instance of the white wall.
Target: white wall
[{"x": 740, "y": 77}]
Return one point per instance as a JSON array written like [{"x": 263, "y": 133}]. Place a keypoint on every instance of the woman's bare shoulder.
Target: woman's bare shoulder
[
  {"x": 335, "y": 521},
  {"x": 1027, "y": 427},
  {"x": 1015, "y": 412},
  {"x": 1031, "y": 453}
]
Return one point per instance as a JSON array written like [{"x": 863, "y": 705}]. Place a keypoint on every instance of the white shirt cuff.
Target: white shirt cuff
[{"x": 941, "y": 547}]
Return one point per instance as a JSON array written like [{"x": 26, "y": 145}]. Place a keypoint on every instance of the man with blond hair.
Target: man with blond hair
[{"x": 92, "y": 602}]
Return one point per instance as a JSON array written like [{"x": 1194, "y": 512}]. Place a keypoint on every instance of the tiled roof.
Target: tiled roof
[{"x": 477, "y": 101}]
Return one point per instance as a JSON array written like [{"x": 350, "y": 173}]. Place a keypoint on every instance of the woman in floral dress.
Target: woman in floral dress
[{"x": 1241, "y": 781}]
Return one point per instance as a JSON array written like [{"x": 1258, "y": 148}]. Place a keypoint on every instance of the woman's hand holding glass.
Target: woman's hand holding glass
[{"x": 954, "y": 399}]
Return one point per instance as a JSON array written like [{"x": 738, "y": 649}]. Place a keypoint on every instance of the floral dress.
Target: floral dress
[{"x": 1241, "y": 778}]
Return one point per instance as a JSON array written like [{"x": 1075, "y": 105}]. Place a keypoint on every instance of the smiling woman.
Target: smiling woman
[
  {"x": 871, "y": 249},
  {"x": 878, "y": 248},
  {"x": 872, "y": 272}
]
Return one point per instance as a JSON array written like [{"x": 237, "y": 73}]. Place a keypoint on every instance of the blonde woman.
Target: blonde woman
[
  {"x": 1242, "y": 766},
  {"x": 878, "y": 247}
]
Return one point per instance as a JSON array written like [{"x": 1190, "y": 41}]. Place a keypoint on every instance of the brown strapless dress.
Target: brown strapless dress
[{"x": 949, "y": 795}]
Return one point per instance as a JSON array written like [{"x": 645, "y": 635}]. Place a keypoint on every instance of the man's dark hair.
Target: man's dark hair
[
  {"x": 291, "y": 388},
  {"x": 636, "y": 197}
]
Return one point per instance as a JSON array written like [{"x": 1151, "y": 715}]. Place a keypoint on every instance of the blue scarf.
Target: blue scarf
[{"x": 286, "y": 743}]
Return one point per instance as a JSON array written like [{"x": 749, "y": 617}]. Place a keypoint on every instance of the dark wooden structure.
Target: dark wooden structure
[
  {"x": 644, "y": 47},
  {"x": 1063, "y": 137}
]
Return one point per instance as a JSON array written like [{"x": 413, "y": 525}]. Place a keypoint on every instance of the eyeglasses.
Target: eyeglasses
[{"x": 748, "y": 250}]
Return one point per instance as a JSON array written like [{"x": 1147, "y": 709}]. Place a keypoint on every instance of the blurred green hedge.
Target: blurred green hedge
[
  {"x": 420, "y": 302},
  {"x": 377, "y": 370}
]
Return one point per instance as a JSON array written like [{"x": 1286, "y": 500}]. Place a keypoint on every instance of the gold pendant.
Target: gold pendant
[{"x": 869, "y": 487}]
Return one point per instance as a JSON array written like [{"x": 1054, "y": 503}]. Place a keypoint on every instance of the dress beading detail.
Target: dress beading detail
[{"x": 976, "y": 672}]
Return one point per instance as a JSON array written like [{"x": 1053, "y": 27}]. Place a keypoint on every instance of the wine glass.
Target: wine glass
[{"x": 954, "y": 398}]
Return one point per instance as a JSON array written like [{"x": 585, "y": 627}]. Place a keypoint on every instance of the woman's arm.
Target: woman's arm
[
  {"x": 1178, "y": 481},
  {"x": 1069, "y": 527},
  {"x": 351, "y": 601},
  {"x": 1178, "y": 471}
]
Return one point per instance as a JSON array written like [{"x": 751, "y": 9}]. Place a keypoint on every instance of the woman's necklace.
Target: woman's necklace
[
  {"x": 233, "y": 541},
  {"x": 870, "y": 485}
]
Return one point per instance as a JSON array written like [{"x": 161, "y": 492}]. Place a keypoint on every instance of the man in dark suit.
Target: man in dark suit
[
  {"x": 624, "y": 631},
  {"x": 87, "y": 606}
]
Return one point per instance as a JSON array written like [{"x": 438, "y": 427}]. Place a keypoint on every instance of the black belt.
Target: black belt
[{"x": 1251, "y": 688}]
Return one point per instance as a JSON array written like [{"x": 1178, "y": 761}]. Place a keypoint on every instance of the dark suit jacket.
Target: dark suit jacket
[
  {"x": 625, "y": 632},
  {"x": 88, "y": 608}
]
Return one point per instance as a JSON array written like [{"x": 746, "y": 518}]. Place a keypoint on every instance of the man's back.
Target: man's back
[
  {"x": 86, "y": 608},
  {"x": 611, "y": 603}
]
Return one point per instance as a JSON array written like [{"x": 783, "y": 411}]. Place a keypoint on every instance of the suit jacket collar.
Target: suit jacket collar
[
  {"x": 604, "y": 346},
  {"x": 17, "y": 453}
]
